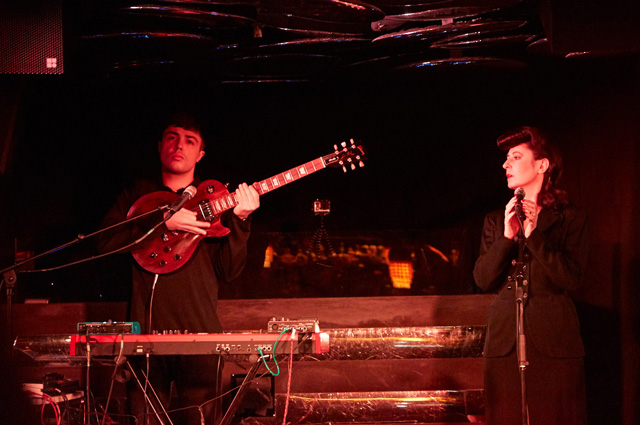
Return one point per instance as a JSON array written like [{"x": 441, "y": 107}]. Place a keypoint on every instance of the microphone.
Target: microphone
[
  {"x": 187, "y": 194},
  {"x": 519, "y": 194}
]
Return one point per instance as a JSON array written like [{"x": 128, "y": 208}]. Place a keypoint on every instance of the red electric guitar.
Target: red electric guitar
[{"x": 169, "y": 251}]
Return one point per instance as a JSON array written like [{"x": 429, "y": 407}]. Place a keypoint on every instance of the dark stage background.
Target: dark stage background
[{"x": 70, "y": 143}]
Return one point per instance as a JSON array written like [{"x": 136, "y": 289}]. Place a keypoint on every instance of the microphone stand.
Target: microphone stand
[
  {"x": 522, "y": 294},
  {"x": 9, "y": 274}
]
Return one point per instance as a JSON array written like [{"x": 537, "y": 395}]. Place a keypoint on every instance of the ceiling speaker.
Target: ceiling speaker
[{"x": 31, "y": 37}]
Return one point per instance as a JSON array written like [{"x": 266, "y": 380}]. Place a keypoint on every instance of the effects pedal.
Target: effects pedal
[
  {"x": 108, "y": 328},
  {"x": 302, "y": 325}
]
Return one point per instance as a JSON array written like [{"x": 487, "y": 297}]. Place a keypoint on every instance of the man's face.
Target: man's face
[{"x": 180, "y": 150}]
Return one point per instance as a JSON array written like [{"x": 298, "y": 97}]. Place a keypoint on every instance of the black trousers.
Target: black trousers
[
  {"x": 556, "y": 392},
  {"x": 187, "y": 387}
]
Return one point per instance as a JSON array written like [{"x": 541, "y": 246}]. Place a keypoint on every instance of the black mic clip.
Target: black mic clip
[
  {"x": 519, "y": 194},
  {"x": 188, "y": 193}
]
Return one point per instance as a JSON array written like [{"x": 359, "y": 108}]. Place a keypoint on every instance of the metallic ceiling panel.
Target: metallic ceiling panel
[
  {"x": 351, "y": 11},
  {"x": 476, "y": 41},
  {"x": 213, "y": 20},
  {"x": 462, "y": 64},
  {"x": 329, "y": 37},
  {"x": 436, "y": 32},
  {"x": 445, "y": 16},
  {"x": 292, "y": 23}
]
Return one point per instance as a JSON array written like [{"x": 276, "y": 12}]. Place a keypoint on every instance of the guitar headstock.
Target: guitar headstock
[{"x": 346, "y": 155}]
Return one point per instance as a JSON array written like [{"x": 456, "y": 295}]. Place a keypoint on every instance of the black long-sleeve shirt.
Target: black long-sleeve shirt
[{"x": 186, "y": 299}]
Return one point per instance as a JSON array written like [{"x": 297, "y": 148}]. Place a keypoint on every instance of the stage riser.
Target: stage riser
[
  {"x": 369, "y": 352},
  {"x": 375, "y": 407}
]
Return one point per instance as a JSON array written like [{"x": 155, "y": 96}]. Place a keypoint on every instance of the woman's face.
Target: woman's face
[{"x": 523, "y": 170}]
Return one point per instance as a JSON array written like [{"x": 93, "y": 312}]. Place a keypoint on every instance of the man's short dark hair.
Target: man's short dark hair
[{"x": 188, "y": 121}]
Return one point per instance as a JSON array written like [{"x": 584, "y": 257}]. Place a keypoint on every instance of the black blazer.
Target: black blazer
[{"x": 555, "y": 259}]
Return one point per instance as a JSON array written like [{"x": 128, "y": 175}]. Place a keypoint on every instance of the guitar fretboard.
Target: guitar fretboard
[
  {"x": 228, "y": 201},
  {"x": 289, "y": 176}
]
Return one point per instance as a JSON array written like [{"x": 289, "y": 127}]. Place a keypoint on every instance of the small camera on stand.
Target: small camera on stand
[{"x": 321, "y": 207}]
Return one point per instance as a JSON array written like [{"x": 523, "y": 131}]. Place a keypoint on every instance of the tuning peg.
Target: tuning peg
[{"x": 351, "y": 165}]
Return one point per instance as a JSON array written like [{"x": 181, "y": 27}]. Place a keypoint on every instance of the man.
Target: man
[{"x": 184, "y": 300}]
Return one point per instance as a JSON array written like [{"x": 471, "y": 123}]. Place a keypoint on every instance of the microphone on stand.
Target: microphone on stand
[
  {"x": 519, "y": 194},
  {"x": 187, "y": 194}
]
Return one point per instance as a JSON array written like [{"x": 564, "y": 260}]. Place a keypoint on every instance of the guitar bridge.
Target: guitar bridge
[{"x": 206, "y": 210}]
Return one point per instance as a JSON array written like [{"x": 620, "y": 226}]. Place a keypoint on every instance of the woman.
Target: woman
[{"x": 552, "y": 262}]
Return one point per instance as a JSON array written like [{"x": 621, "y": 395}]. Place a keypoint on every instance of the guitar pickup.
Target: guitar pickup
[{"x": 206, "y": 210}]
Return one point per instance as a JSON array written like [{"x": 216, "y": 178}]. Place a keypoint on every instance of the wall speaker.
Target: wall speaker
[{"x": 31, "y": 37}]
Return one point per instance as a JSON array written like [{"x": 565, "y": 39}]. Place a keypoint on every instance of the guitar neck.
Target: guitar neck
[
  {"x": 279, "y": 180},
  {"x": 229, "y": 201}
]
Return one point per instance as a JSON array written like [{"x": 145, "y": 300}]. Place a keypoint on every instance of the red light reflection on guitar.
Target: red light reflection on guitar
[{"x": 170, "y": 250}]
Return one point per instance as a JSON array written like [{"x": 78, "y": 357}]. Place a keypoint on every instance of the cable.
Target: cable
[
  {"x": 153, "y": 291},
  {"x": 273, "y": 350},
  {"x": 147, "y": 399},
  {"x": 146, "y": 381},
  {"x": 153, "y": 392},
  {"x": 146, "y": 388},
  {"x": 95, "y": 257},
  {"x": 288, "y": 396},
  {"x": 46, "y": 398},
  {"x": 263, "y": 357},
  {"x": 218, "y": 407},
  {"x": 94, "y": 409},
  {"x": 67, "y": 409},
  {"x": 238, "y": 387},
  {"x": 113, "y": 378},
  {"x": 87, "y": 415},
  {"x": 230, "y": 391}
]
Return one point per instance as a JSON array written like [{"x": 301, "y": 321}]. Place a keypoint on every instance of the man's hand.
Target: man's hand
[
  {"x": 248, "y": 201},
  {"x": 186, "y": 221}
]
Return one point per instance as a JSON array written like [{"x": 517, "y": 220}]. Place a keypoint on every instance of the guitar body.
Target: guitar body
[{"x": 170, "y": 250}]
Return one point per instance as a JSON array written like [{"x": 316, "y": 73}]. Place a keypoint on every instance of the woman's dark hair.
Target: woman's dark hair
[{"x": 550, "y": 195}]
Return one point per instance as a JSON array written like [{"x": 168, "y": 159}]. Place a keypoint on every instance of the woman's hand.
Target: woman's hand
[
  {"x": 511, "y": 222},
  {"x": 531, "y": 212}
]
